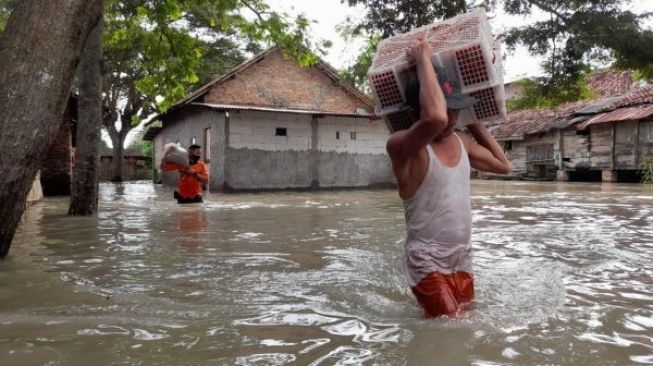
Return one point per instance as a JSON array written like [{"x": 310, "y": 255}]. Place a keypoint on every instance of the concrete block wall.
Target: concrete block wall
[
  {"x": 309, "y": 156},
  {"x": 354, "y": 170},
  {"x": 370, "y": 136},
  {"x": 246, "y": 154},
  {"x": 257, "y": 130},
  {"x": 256, "y": 169}
]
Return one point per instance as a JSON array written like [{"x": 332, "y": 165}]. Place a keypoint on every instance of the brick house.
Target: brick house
[{"x": 270, "y": 124}]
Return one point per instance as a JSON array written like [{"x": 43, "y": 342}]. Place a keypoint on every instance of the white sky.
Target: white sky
[{"x": 330, "y": 14}]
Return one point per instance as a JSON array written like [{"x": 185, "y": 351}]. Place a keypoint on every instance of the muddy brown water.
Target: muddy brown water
[{"x": 564, "y": 277}]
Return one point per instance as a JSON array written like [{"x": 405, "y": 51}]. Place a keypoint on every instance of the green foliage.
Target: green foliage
[
  {"x": 579, "y": 30},
  {"x": 385, "y": 18},
  {"x": 576, "y": 35},
  {"x": 644, "y": 74},
  {"x": 357, "y": 73},
  {"x": 647, "y": 171},
  {"x": 5, "y": 10},
  {"x": 154, "y": 52},
  {"x": 539, "y": 93}
]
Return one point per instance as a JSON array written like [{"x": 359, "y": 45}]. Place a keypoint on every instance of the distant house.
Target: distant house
[
  {"x": 269, "y": 124},
  {"x": 135, "y": 167},
  {"x": 56, "y": 169},
  {"x": 603, "y": 139}
]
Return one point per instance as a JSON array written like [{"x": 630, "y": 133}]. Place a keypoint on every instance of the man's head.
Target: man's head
[
  {"x": 194, "y": 153},
  {"x": 454, "y": 98}
]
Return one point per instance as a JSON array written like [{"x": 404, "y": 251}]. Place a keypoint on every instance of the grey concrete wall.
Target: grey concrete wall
[
  {"x": 183, "y": 126},
  {"x": 354, "y": 170},
  {"x": 273, "y": 162},
  {"x": 253, "y": 169}
]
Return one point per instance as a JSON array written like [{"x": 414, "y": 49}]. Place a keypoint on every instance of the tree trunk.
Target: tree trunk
[
  {"x": 86, "y": 172},
  {"x": 118, "y": 160},
  {"x": 39, "y": 50},
  {"x": 118, "y": 142}
]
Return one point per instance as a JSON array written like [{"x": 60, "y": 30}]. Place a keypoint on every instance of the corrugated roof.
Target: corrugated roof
[
  {"x": 231, "y": 107},
  {"x": 621, "y": 114}
]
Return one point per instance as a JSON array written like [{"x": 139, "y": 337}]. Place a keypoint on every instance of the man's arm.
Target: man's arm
[
  {"x": 202, "y": 175},
  {"x": 166, "y": 167},
  {"x": 433, "y": 110},
  {"x": 485, "y": 153}
]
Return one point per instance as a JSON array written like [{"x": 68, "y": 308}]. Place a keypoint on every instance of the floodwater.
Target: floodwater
[{"x": 564, "y": 277}]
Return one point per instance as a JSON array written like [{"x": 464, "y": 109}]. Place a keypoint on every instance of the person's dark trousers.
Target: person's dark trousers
[{"x": 181, "y": 199}]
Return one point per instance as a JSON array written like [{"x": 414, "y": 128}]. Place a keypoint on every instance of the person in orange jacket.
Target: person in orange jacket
[{"x": 190, "y": 178}]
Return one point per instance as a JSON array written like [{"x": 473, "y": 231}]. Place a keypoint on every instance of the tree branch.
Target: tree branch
[
  {"x": 254, "y": 10},
  {"x": 550, "y": 9}
]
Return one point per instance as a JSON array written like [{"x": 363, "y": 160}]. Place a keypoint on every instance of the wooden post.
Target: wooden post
[
  {"x": 637, "y": 144},
  {"x": 614, "y": 145},
  {"x": 561, "y": 150}
]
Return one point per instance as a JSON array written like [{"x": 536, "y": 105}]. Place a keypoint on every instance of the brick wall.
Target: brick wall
[{"x": 278, "y": 82}]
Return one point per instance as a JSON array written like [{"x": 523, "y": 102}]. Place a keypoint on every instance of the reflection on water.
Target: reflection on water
[{"x": 564, "y": 276}]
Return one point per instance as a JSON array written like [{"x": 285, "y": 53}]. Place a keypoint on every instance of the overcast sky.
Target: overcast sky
[{"x": 329, "y": 14}]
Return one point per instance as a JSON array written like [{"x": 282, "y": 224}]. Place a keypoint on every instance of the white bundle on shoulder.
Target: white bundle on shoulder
[{"x": 173, "y": 153}]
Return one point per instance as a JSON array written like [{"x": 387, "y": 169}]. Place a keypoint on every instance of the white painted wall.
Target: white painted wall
[
  {"x": 256, "y": 130},
  {"x": 370, "y": 137}
]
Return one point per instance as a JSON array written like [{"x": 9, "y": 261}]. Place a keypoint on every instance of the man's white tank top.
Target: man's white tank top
[{"x": 439, "y": 220}]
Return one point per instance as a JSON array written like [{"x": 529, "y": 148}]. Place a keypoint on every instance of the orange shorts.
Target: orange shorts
[{"x": 442, "y": 294}]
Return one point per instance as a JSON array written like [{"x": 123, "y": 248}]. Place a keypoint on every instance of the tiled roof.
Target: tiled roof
[
  {"x": 616, "y": 89},
  {"x": 642, "y": 95},
  {"x": 321, "y": 65},
  {"x": 608, "y": 82}
]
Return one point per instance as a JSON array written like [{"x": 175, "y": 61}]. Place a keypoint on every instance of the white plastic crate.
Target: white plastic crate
[
  {"x": 491, "y": 105},
  {"x": 463, "y": 43},
  {"x": 398, "y": 120},
  {"x": 450, "y": 34}
]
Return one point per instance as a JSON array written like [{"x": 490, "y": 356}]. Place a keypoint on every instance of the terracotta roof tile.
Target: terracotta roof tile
[
  {"x": 608, "y": 82},
  {"x": 616, "y": 89}
]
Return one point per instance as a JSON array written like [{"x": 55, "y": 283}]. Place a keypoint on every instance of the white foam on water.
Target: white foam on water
[
  {"x": 144, "y": 335},
  {"x": 266, "y": 359}
]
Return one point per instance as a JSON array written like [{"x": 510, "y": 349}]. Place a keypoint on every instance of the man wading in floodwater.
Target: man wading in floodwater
[
  {"x": 432, "y": 165},
  {"x": 189, "y": 189}
]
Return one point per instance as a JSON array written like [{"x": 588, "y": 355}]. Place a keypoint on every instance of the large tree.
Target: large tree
[
  {"x": 575, "y": 34},
  {"x": 39, "y": 50},
  {"x": 155, "y": 51},
  {"x": 86, "y": 171}
]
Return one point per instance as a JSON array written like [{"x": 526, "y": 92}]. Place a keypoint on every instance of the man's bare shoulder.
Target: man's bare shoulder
[
  {"x": 395, "y": 143},
  {"x": 466, "y": 138}
]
